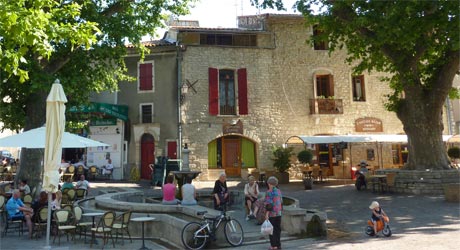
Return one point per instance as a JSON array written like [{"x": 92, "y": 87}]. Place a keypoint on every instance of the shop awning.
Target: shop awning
[
  {"x": 105, "y": 109},
  {"x": 321, "y": 139}
]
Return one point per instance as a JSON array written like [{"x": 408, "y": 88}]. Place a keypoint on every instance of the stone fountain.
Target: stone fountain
[{"x": 185, "y": 171}]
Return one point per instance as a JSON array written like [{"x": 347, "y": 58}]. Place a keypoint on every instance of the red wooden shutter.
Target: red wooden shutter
[
  {"x": 331, "y": 85},
  {"x": 213, "y": 91},
  {"x": 242, "y": 92},
  {"x": 145, "y": 76}
]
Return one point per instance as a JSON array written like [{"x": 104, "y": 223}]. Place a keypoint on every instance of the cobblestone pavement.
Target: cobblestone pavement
[{"x": 417, "y": 222}]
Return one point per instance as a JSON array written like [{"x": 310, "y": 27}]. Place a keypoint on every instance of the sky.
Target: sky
[{"x": 223, "y": 13}]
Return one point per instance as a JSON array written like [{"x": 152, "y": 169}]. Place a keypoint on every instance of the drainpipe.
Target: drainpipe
[{"x": 179, "y": 94}]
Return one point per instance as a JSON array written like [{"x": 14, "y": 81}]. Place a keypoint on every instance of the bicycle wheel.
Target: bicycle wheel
[
  {"x": 234, "y": 232},
  {"x": 194, "y": 236}
]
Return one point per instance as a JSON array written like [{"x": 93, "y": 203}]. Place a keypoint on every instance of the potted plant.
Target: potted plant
[
  {"x": 305, "y": 157},
  {"x": 454, "y": 154},
  {"x": 281, "y": 162}
]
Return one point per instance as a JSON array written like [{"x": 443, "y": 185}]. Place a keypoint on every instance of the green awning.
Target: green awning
[{"x": 106, "y": 109}]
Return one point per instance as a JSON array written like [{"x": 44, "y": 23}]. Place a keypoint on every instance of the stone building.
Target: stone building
[{"x": 248, "y": 89}]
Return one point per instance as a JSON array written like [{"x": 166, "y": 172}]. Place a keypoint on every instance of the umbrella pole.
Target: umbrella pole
[{"x": 48, "y": 223}]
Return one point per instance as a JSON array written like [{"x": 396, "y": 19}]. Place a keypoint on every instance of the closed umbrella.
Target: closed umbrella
[{"x": 55, "y": 125}]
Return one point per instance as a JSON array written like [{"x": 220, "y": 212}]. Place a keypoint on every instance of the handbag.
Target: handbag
[{"x": 267, "y": 228}]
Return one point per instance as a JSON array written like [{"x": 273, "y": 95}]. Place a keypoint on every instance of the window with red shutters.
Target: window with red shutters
[
  {"x": 213, "y": 92},
  {"x": 242, "y": 92},
  {"x": 145, "y": 81},
  {"x": 222, "y": 92}
]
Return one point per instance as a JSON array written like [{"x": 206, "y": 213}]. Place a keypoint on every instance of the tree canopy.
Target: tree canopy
[
  {"x": 80, "y": 42},
  {"x": 416, "y": 42}
]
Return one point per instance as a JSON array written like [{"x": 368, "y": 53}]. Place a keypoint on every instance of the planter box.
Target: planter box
[
  {"x": 283, "y": 178},
  {"x": 308, "y": 183},
  {"x": 452, "y": 192}
]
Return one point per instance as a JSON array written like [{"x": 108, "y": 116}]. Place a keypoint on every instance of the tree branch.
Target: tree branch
[{"x": 116, "y": 8}]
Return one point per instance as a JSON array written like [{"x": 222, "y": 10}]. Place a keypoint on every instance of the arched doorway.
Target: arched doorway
[
  {"x": 147, "y": 155},
  {"x": 232, "y": 153}
]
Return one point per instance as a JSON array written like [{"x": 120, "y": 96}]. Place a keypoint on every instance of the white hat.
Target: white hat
[{"x": 374, "y": 204}]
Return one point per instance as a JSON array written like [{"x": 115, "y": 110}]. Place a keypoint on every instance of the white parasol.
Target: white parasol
[{"x": 55, "y": 126}]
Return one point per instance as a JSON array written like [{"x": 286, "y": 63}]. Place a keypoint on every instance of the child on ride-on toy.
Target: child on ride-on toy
[{"x": 377, "y": 214}]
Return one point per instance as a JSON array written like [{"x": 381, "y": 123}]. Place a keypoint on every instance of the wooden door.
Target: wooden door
[
  {"x": 147, "y": 155},
  {"x": 172, "y": 150},
  {"x": 231, "y": 157}
]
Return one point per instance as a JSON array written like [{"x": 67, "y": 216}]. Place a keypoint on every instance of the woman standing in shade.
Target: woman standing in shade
[{"x": 273, "y": 205}]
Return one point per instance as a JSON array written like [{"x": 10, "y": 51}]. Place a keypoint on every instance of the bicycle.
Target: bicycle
[{"x": 195, "y": 235}]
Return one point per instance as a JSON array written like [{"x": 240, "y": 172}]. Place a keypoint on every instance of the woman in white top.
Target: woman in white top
[
  {"x": 188, "y": 193},
  {"x": 251, "y": 191},
  {"x": 56, "y": 203}
]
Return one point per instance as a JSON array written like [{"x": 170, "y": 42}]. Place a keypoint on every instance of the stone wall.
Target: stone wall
[
  {"x": 423, "y": 182},
  {"x": 280, "y": 85}
]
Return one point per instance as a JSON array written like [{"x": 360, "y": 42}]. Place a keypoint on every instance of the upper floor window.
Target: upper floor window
[
  {"x": 146, "y": 76},
  {"x": 146, "y": 113},
  {"x": 226, "y": 94},
  {"x": 246, "y": 40},
  {"x": 359, "y": 93},
  {"x": 319, "y": 42},
  {"x": 324, "y": 86}
]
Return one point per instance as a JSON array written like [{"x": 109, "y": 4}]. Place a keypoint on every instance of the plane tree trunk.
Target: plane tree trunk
[
  {"x": 31, "y": 167},
  {"x": 420, "y": 110}
]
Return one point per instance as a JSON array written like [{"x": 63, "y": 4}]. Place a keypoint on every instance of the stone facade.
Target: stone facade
[{"x": 280, "y": 82}]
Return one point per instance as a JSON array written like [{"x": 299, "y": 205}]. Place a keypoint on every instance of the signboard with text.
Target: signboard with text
[{"x": 368, "y": 124}]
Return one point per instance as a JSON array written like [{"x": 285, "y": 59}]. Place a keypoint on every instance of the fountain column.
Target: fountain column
[
  {"x": 185, "y": 158},
  {"x": 185, "y": 170}
]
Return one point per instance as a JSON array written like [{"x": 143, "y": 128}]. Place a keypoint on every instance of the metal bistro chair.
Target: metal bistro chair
[
  {"x": 81, "y": 225},
  {"x": 65, "y": 222},
  {"x": 13, "y": 223},
  {"x": 80, "y": 171},
  {"x": 93, "y": 172},
  {"x": 40, "y": 222},
  {"x": 104, "y": 227},
  {"x": 80, "y": 193},
  {"x": 28, "y": 200},
  {"x": 122, "y": 224},
  {"x": 390, "y": 182},
  {"x": 70, "y": 172},
  {"x": 68, "y": 196}
]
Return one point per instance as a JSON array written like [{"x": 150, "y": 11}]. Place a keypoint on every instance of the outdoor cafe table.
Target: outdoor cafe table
[
  {"x": 93, "y": 215},
  {"x": 378, "y": 181},
  {"x": 143, "y": 220}
]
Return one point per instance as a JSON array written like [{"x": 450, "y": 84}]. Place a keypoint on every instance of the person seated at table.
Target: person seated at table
[
  {"x": 188, "y": 193},
  {"x": 57, "y": 200},
  {"x": 220, "y": 192},
  {"x": 251, "y": 191},
  {"x": 41, "y": 201},
  {"x": 23, "y": 187},
  {"x": 108, "y": 168},
  {"x": 67, "y": 184},
  {"x": 82, "y": 183},
  {"x": 17, "y": 211},
  {"x": 169, "y": 192}
]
